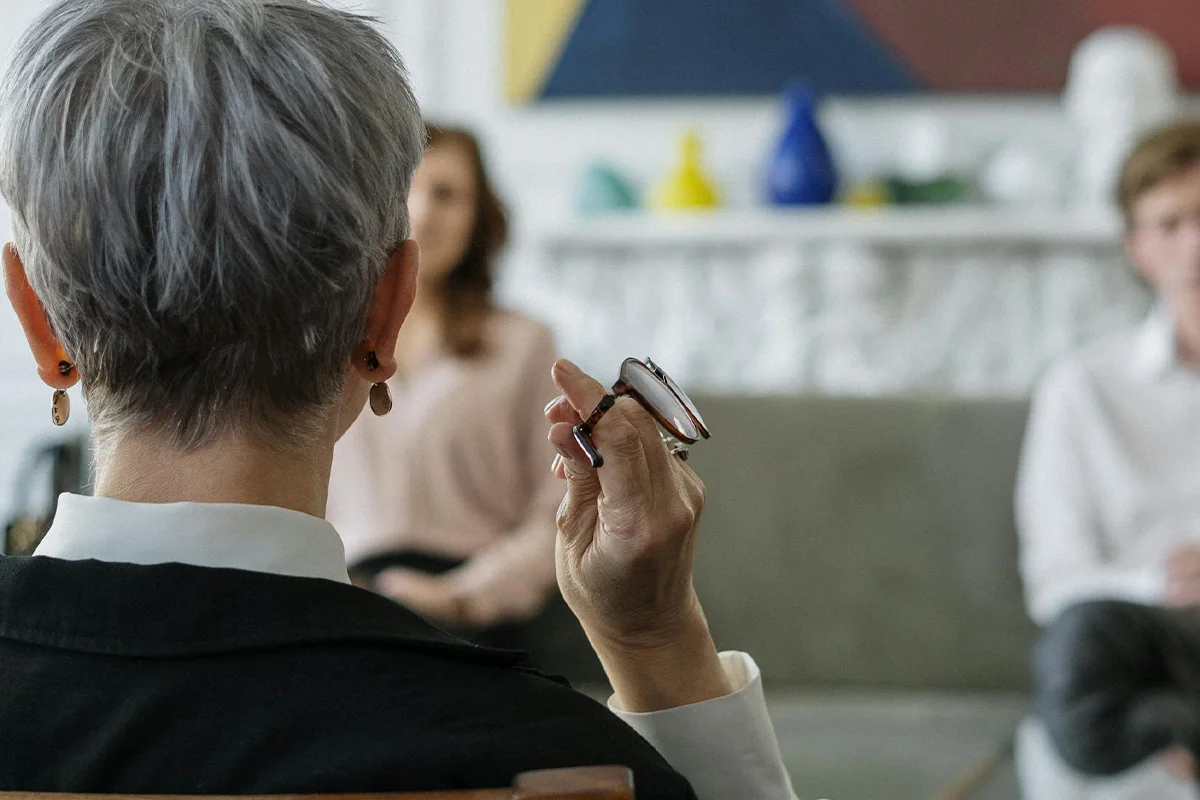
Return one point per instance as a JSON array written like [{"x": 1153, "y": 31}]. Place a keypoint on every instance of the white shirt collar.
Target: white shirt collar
[
  {"x": 1155, "y": 347},
  {"x": 255, "y": 538}
]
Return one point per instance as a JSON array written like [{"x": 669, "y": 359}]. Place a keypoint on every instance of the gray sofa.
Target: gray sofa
[{"x": 853, "y": 542}]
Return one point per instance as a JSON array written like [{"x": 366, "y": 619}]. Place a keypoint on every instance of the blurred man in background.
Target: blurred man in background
[{"x": 1108, "y": 511}]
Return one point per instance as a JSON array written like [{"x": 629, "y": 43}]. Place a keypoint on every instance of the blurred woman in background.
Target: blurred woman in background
[{"x": 447, "y": 505}]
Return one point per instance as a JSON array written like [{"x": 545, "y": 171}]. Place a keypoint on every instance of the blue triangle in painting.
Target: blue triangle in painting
[{"x": 709, "y": 47}]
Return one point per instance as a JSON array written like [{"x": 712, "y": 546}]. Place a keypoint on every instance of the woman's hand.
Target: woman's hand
[
  {"x": 626, "y": 539},
  {"x": 433, "y": 597},
  {"x": 1179, "y": 763},
  {"x": 1182, "y": 586}
]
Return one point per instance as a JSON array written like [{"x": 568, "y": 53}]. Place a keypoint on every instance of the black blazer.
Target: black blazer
[{"x": 176, "y": 679}]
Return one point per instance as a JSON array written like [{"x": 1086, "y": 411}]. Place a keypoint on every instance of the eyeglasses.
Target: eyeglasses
[{"x": 670, "y": 406}]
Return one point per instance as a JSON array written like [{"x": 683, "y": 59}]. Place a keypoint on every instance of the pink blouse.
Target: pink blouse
[{"x": 461, "y": 466}]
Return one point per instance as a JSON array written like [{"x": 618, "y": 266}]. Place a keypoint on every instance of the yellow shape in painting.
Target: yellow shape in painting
[{"x": 537, "y": 33}]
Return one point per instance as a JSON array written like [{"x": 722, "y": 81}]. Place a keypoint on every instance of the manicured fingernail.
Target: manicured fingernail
[
  {"x": 561, "y": 453},
  {"x": 567, "y": 366},
  {"x": 555, "y": 464},
  {"x": 551, "y": 404}
]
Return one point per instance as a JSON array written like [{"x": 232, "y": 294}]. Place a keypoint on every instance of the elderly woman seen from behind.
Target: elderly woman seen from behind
[{"x": 211, "y": 238}]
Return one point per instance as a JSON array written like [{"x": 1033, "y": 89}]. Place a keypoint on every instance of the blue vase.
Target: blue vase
[{"x": 801, "y": 171}]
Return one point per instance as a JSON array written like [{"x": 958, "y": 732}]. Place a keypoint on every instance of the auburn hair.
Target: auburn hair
[{"x": 467, "y": 289}]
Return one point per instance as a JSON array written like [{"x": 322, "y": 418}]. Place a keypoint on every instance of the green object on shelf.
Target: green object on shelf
[
  {"x": 934, "y": 192},
  {"x": 944, "y": 190},
  {"x": 604, "y": 190}
]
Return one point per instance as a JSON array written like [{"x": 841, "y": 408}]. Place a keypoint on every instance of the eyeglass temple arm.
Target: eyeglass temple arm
[
  {"x": 583, "y": 429},
  {"x": 589, "y": 449}
]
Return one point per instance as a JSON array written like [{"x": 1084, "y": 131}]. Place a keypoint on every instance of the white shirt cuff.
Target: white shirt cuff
[{"x": 726, "y": 747}]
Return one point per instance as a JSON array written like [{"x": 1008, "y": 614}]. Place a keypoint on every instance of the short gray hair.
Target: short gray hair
[{"x": 204, "y": 194}]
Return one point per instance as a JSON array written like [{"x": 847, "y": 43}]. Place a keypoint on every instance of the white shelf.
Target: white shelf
[{"x": 897, "y": 226}]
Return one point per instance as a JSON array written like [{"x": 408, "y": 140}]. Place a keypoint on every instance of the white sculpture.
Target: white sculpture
[{"x": 1122, "y": 82}]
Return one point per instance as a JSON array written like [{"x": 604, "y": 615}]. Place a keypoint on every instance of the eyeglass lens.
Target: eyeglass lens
[
  {"x": 657, "y": 394},
  {"x": 682, "y": 395}
]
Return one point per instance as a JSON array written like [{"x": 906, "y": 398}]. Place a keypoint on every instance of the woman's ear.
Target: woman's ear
[
  {"x": 394, "y": 296},
  {"x": 48, "y": 352}
]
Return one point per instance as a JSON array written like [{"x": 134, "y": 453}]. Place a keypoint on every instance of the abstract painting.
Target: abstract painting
[{"x": 578, "y": 49}]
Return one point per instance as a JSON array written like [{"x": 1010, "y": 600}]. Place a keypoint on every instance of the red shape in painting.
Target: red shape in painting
[
  {"x": 1176, "y": 21},
  {"x": 1018, "y": 45}
]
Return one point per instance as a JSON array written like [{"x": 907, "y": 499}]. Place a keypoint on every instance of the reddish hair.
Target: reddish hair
[{"x": 467, "y": 288}]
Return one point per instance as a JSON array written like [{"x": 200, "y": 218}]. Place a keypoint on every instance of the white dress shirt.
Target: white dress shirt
[
  {"x": 1109, "y": 481},
  {"x": 725, "y": 747}
]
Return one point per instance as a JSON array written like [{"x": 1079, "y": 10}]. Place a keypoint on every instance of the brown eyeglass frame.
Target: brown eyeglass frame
[{"x": 622, "y": 387}]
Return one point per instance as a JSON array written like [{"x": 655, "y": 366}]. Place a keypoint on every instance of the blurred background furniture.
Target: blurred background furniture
[
  {"x": 863, "y": 551},
  {"x": 969, "y": 300}
]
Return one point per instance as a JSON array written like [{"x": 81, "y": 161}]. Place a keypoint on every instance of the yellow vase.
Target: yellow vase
[{"x": 687, "y": 187}]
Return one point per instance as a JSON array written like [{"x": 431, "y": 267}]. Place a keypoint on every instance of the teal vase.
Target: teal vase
[{"x": 604, "y": 191}]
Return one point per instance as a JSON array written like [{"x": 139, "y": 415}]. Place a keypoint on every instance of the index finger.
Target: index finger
[
  {"x": 560, "y": 410},
  {"x": 590, "y": 393},
  {"x": 628, "y": 457}
]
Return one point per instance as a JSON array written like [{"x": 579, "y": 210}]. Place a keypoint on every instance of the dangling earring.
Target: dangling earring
[
  {"x": 60, "y": 405},
  {"x": 60, "y": 408},
  {"x": 381, "y": 395}
]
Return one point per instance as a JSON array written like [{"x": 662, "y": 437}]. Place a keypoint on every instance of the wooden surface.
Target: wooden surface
[
  {"x": 480, "y": 794},
  {"x": 580, "y": 783}
]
